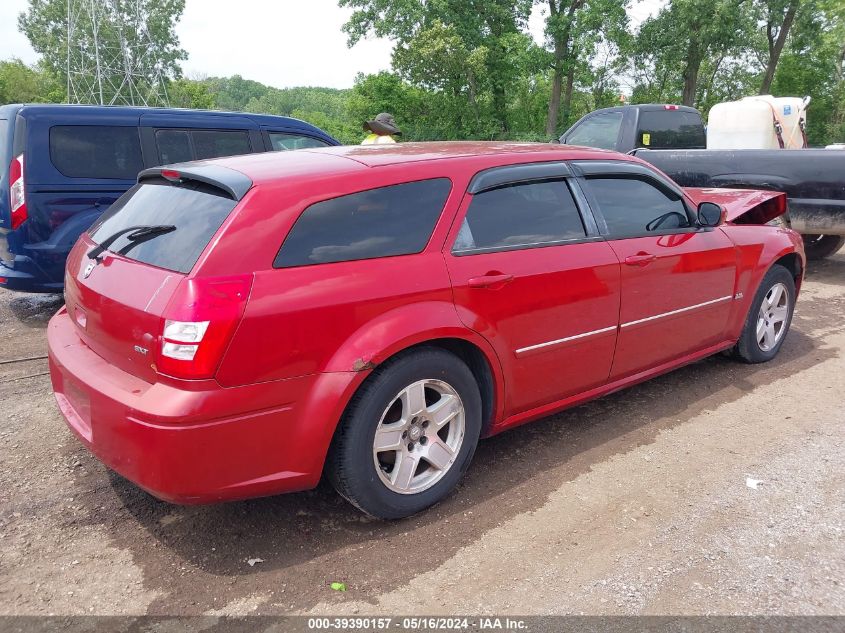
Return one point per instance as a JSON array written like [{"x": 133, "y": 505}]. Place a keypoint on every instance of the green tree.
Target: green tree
[
  {"x": 778, "y": 15},
  {"x": 812, "y": 64},
  {"x": 574, "y": 28},
  {"x": 137, "y": 36},
  {"x": 188, "y": 93},
  {"x": 235, "y": 92},
  {"x": 20, "y": 83},
  {"x": 673, "y": 46},
  {"x": 475, "y": 32}
]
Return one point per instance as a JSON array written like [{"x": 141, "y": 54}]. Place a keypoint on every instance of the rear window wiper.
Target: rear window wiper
[{"x": 133, "y": 234}]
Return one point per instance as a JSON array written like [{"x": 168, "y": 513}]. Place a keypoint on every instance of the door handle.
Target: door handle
[
  {"x": 640, "y": 259},
  {"x": 490, "y": 281}
]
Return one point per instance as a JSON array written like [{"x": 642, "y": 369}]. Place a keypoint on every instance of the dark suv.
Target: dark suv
[{"x": 62, "y": 166}]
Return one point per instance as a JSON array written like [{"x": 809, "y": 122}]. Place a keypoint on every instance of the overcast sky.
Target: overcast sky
[{"x": 281, "y": 43}]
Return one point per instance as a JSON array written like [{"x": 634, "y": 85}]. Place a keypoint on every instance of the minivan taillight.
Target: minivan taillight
[
  {"x": 17, "y": 192},
  {"x": 199, "y": 323}
]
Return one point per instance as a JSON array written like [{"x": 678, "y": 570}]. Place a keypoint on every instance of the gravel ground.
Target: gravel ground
[{"x": 633, "y": 504}]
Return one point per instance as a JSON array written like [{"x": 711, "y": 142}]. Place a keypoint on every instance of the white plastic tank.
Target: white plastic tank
[{"x": 751, "y": 123}]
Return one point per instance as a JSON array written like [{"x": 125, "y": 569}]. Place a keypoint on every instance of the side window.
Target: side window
[
  {"x": 395, "y": 220},
  {"x": 668, "y": 129},
  {"x": 282, "y": 141},
  {"x": 217, "y": 143},
  {"x": 520, "y": 215},
  {"x": 632, "y": 206},
  {"x": 600, "y": 130},
  {"x": 173, "y": 146},
  {"x": 179, "y": 146},
  {"x": 96, "y": 151}
]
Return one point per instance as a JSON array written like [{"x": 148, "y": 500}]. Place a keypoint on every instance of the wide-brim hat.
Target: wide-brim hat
[{"x": 383, "y": 124}]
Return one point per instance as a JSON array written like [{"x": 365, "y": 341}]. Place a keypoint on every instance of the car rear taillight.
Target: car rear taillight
[
  {"x": 199, "y": 323},
  {"x": 670, "y": 107},
  {"x": 17, "y": 192}
]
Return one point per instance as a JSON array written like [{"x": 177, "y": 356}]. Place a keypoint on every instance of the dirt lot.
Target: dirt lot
[{"x": 634, "y": 504}]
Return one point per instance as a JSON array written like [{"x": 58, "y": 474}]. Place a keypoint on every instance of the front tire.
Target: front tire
[
  {"x": 820, "y": 246},
  {"x": 768, "y": 318},
  {"x": 408, "y": 434}
]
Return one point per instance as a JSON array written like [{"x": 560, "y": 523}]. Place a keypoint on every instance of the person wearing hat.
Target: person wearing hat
[{"x": 382, "y": 129}]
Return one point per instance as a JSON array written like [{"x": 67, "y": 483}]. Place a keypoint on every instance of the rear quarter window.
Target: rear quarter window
[
  {"x": 670, "y": 129},
  {"x": 283, "y": 141},
  {"x": 383, "y": 222},
  {"x": 218, "y": 143},
  {"x": 196, "y": 210},
  {"x": 96, "y": 151}
]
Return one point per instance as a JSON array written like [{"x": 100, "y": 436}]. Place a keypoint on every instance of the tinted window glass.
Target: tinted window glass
[
  {"x": 520, "y": 215},
  {"x": 636, "y": 207},
  {"x": 217, "y": 143},
  {"x": 396, "y": 220},
  {"x": 173, "y": 146},
  {"x": 196, "y": 210},
  {"x": 600, "y": 131},
  {"x": 89, "y": 151},
  {"x": 281, "y": 142},
  {"x": 664, "y": 129}
]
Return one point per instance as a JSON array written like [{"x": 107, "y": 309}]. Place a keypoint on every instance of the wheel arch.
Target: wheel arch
[
  {"x": 793, "y": 263},
  {"x": 478, "y": 356},
  {"x": 480, "y": 366}
]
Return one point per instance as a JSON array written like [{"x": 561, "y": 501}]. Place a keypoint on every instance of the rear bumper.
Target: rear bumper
[
  {"x": 195, "y": 442},
  {"x": 14, "y": 275}
]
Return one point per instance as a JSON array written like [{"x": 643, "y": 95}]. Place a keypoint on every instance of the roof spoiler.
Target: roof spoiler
[{"x": 234, "y": 183}]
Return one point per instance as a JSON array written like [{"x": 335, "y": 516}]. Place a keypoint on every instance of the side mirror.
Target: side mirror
[{"x": 711, "y": 214}]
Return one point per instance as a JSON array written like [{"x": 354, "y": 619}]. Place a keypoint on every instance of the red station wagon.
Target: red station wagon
[{"x": 236, "y": 327}]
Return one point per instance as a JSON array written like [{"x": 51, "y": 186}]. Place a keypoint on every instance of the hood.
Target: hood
[{"x": 744, "y": 206}]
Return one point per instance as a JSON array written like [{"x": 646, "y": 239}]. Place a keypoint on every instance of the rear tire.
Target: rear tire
[
  {"x": 769, "y": 317},
  {"x": 820, "y": 246},
  {"x": 408, "y": 434}
]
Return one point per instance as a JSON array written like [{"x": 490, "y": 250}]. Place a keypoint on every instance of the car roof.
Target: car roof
[
  {"x": 59, "y": 109},
  {"x": 646, "y": 107},
  {"x": 271, "y": 166}
]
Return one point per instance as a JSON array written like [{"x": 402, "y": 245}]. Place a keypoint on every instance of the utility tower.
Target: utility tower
[{"x": 110, "y": 55}]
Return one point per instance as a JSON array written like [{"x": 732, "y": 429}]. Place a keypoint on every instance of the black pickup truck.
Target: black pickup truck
[{"x": 672, "y": 138}]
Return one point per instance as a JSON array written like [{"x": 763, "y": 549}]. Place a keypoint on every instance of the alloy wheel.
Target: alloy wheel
[
  {"x": 419, "y": 436},
  {"x": 772, "y": 317}
]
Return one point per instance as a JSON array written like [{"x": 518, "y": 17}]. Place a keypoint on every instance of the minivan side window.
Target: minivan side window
[
  {"x": 175, "y": 146},
  {"x": 394, "y": 220},
  {"x": 600, "y": 130},
  {"x": 283, "y": 141},
  {"x": 218, "y": 143},
  {"x": 519, "y": 216},
  {"x": 635, "y": 207},
  {"x": 671, "y": 129},
  {"x": 96, "y": 151}
]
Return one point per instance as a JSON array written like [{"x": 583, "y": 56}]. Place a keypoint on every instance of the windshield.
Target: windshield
[{"x": 192, "y": 213}]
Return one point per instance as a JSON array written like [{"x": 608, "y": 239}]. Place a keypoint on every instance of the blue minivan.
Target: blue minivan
[{"x": 62, "y": 166}]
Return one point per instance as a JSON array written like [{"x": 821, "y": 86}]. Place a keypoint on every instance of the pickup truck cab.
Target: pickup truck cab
[
  {"x": 652, "y": 126},
  {"x": 62, "y": 166},
  {"x": 672, "y": 138}
]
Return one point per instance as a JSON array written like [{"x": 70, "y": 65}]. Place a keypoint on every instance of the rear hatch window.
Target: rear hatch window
[
  {"x": 188, "y": 214},
  {"x": 671, "y": 129}
]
